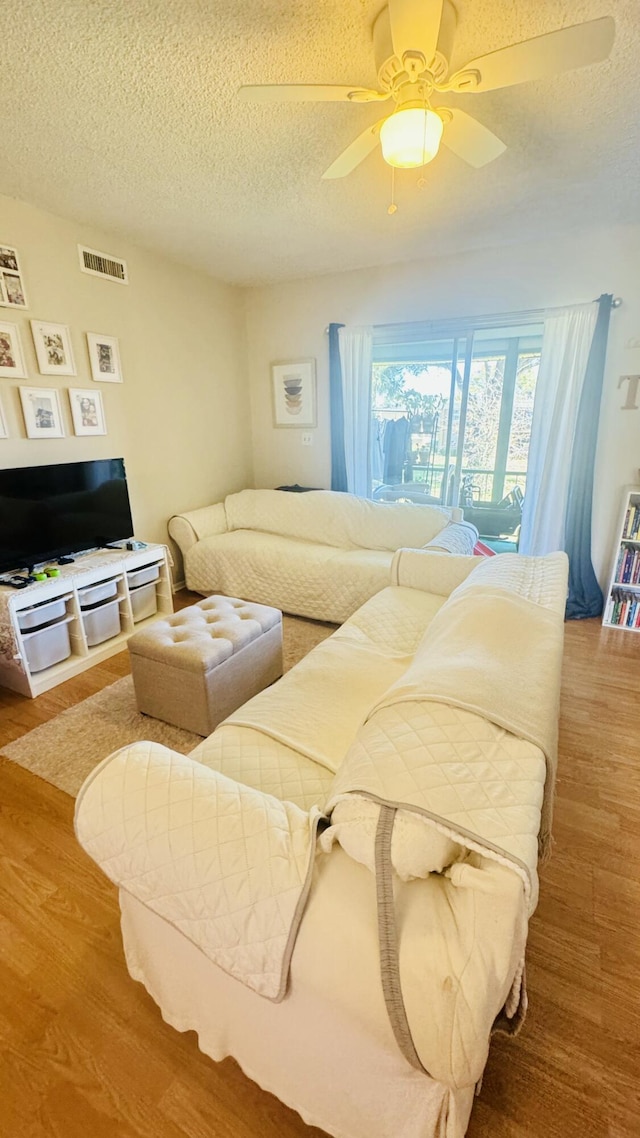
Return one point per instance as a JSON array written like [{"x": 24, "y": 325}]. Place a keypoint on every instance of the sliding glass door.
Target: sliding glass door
[{"x": 451, "y": 420}]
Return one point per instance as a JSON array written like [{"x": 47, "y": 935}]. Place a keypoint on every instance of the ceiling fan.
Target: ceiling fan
[{"x": 412, "y": 42}]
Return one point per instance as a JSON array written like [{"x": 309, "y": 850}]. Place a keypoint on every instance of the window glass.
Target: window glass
[{"x": 455, "y": 430}]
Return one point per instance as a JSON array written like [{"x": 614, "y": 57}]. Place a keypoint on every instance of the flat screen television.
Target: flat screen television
[{"x": 47, "y": 512}]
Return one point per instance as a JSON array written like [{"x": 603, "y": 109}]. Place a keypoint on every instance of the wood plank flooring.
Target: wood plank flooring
[{"x": 85, "y": 1053}]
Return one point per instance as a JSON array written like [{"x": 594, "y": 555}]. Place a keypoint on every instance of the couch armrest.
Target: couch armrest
[
  {"x": 187, "y": 529},
  {"x": 224, "y": 863},
  {"x": 431, "y": 570},
  {"x": 458, "y": 538}
]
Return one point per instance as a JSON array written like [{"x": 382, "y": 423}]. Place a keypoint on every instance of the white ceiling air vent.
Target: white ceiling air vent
[{"x": 103, "y": 265}]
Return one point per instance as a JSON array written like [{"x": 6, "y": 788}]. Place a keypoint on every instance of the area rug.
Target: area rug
[{"x": 67, "y": 748}]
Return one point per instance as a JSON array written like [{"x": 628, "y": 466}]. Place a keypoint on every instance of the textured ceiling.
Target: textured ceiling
[{"x": 121, "y": 114}]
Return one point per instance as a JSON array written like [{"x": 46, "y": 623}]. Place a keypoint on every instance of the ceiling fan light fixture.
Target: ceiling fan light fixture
[{"x": 411, "y": 137}]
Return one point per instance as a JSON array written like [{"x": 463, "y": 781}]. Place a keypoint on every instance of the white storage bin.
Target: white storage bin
[
  {"x": 143, "y": 576},
  {"x": 96, "y": 593},
  {"x": 144, "y": 601},
  {"x": 38, "y": 615},
  {"x": 102, "y": 622},
  {"x": 47, "y": 646}
]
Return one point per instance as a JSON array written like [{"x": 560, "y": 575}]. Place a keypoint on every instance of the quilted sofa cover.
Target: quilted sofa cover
[
  {"x": 385, "y": 753},
  {"x": 319, "y": 554}
]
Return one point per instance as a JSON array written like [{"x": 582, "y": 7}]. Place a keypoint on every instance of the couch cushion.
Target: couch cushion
[
  {"x": 318, "y": 581},
  {"x": 257, "y": 760},
  {"x": 332, "y": 518},
  {"x": 393, "y": 621}
]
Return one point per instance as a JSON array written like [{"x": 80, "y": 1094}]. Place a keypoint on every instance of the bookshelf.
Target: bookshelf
[{"x": 622, "y": 604}]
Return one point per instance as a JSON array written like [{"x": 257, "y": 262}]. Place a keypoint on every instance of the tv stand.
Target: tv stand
[{"x": 119, "y": 571}]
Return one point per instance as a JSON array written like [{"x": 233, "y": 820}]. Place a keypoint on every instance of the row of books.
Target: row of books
[
  {"x": 628, "y": 566},
  {"x": 623, "y": 609},
  {"x": 631, "y": 527}
]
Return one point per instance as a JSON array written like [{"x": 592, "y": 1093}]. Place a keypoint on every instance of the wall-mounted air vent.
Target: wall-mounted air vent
[{"x": 103, "y": 265}]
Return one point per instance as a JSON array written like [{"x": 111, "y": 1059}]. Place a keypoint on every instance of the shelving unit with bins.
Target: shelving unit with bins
[
  {"x": 110, "y": 576},
  {"x": 622, "y": 605}
]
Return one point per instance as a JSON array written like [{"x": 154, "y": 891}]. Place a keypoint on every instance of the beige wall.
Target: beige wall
[
  {"x": 289, "y": 321},
  {"x": 180, "y": 418}
]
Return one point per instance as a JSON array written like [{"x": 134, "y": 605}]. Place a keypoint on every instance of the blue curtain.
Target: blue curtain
[
  {"x": 338, "y": 464},
  {"x": 585, "y": 595}
]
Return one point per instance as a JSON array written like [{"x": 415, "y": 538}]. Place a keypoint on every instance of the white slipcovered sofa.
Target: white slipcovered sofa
[
  {"x": 334, "y": 887},
  {"x": 319, "y": 554}
]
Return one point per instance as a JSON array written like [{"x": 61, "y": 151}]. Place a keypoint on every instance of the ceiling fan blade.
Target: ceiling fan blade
[
  {"x": 414, "y": 26},
  {"x": 308, "y": 93},
  {"x": 355, "y": 153},
  {"x": 469, "y": 139},
  {"x": 537, "y": 58}
]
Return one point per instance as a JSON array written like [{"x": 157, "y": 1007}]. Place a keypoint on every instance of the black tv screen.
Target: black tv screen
[{"x": 48, "y": 512}]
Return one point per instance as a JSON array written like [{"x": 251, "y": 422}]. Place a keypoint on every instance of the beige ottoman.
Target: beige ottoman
[{"x": 198, "y": 665}]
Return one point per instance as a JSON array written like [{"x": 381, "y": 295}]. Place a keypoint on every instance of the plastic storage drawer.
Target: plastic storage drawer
[
  {"x": 95, "y": 593},
  {"x": 143, "y": 576},
  {"x": 144, "y": 601},
  {"x": 38, "y": 615},
  {"x": 102, "y": 622},
  {"x": 47, "y": 646}
]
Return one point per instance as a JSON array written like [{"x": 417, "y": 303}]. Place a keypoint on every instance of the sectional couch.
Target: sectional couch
[{"x": 335, "y": 886}]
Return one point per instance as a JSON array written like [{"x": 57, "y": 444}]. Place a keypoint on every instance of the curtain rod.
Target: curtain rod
[{"x": 529, "y": 315}]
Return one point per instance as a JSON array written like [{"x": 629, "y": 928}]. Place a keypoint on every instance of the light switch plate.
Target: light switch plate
[{"x": 307, "y": 439}]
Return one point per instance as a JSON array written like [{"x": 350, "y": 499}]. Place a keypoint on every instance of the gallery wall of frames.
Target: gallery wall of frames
[{"x": 54, "y": 355}]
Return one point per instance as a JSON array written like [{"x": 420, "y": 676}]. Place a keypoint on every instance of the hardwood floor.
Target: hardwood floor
[{"x": 86, "y": 1053}]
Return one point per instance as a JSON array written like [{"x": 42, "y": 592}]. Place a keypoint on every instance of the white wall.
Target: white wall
[
  {"x": 288, "y": 322},
  {"x": 180, "y": 419}
]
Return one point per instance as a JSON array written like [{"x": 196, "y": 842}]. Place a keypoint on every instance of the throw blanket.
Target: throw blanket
[
  {"x": 472, "y": 650},
  {"x": 318, "y": 706}
]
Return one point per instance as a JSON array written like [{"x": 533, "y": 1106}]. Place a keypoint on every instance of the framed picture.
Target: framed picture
[
  {"x": 104, "y": 354},
  {"x": 4, "y": 434},
  {"x": 41, "y": 410},
  {"x": 12, "y": 290},
  {"x": 11, "y": 359},
  {"x": 294, "y": 393},
  {"x": 87, "y": 412},
  {"x": 53, "y": 348}
]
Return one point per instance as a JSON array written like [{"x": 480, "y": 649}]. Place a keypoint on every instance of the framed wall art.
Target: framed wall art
[
  {"x": 104, "y": 354},
  {"x": 87, "y": 412},
  {"x": 53, "y": 348},
  {"x": 42, "y": 414},
  {"x": 11, "y": 358},
  {"x": 12, "y": 291},
  {"x": 294, "y": 393}
]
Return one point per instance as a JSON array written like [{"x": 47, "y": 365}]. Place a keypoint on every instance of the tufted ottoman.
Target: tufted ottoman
[{"x": 198, "y": 665}]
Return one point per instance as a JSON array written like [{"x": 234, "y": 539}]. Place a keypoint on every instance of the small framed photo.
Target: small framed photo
[
  {"x": 294, "y": 393},
  {"x": 87, "y": 412},
  {"x": 42, "y": 414},
  {"x": 53, "y": 348},
  {"x": 4, "y": 434},
  {"x": 104, "y": 354},
  {"x": 11, "y": 359},
  {"x": 12, "y": 291}
]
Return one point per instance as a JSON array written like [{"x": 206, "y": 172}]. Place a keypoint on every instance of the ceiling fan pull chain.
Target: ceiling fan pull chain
[{"x": 393, "y": 207}]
